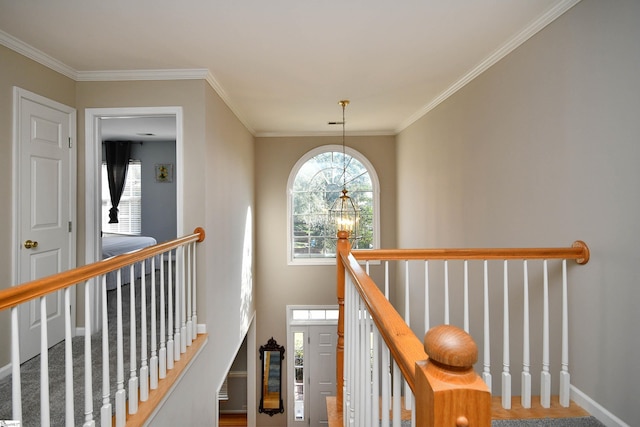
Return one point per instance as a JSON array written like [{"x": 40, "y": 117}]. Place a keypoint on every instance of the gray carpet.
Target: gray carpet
[{"x": 30, "y": 370}]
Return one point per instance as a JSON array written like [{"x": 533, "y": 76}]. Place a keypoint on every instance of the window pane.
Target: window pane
[
  {"x": 317, "y": 184},
  {"x": 298, "y": 381},
  {"x": 129, "y": 208}
]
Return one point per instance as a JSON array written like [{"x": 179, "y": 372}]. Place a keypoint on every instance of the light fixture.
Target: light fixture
[{"x": 344, "y": 216}]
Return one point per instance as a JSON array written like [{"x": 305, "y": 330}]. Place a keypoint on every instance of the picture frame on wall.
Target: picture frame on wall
[{"x": 164, "y": 172}]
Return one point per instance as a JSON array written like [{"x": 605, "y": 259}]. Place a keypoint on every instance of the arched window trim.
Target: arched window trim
[{"x": 375, "y": 184}]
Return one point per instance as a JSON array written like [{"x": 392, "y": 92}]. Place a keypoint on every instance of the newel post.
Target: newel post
[
  {"x": 342, "y": 247},
  {"x": 448, "y": 391}
]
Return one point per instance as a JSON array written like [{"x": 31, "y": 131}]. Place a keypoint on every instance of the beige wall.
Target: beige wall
[
  {"x": 279, "y": 284},
  {"x": 541, "y": 150},
  {"x": 17, "y": 70}
]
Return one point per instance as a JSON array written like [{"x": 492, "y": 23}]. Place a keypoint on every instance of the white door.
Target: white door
[
  {"x": 311, "y": 367},
  {"x": 45, "y": 202},
  {"x": 322, "y": 371}
]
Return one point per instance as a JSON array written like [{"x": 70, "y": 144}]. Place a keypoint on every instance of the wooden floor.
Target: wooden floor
[
  {"x": 235, "y": 420},
  {"x": 497, "y": 412}
]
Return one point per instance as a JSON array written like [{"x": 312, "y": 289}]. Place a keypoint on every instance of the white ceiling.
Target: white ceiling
[{"x": 282, "y": 65}]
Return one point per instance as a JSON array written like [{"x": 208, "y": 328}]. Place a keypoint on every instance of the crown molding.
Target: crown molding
[
  {"x": 40, "y": 57},
  {"x": 323, "y": 133},
  {"x": 529, "y": 31},
  {"x": 123, "y": 75}
]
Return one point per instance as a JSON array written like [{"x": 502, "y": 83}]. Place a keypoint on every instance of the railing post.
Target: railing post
[
  {"x": 448, "y": 391},
  {"x": 342, "y": 247}
]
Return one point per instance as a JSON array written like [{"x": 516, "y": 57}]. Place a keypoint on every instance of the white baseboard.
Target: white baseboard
[
  {"x": 5, "y": 370},
  {"x": 595, "y": 409},
  {"x": 201, "y": 328}
]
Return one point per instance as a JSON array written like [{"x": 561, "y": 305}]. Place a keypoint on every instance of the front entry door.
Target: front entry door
[
  {"x": 322, "y": 371},
  {"x": 45, "y": 206}
]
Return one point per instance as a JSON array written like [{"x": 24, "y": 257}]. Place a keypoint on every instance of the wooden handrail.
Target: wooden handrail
[
  {"x": 578, "y": 251},
  {"x": 403, "y": 344},
  {"x": 15, "y": 295}
]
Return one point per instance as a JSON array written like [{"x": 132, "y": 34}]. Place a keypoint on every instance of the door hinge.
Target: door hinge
[
  {"x": 70, "y": 226},
  {"x": 70, "y": 146}
]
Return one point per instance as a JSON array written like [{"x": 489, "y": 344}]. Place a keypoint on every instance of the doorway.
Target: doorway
[
  {"x": 97, "y": 122},
  {"x": 311, "y": 366}
]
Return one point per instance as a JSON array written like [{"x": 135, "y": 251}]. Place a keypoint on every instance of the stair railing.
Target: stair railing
[
  {"x": 366, "y": 315},
  {"x": 168, "y": 332}
]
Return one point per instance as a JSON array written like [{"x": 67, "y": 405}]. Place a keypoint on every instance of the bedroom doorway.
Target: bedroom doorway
[{"x": 145, "y": 126}]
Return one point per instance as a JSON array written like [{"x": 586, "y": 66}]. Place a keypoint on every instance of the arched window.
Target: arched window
[{"x": 314, "y": 183}]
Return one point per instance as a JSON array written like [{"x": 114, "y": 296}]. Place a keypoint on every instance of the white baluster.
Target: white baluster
[
  {"x": 68, "y": 361},
  {"x": 176, "y": 295},
  {"x": 133, "y": 379},
  {"x": 144, "y": 368},
  {"x": 120, "y": 396},
  {"x": 446, "y": 292},
  {"x": 358, "y": 378},
  {"x": 466, "y": 296},
  {"x": 565, "y": 378},
  {"x": 506, "y": 375},
  {"x": 526, "y": 356},
  {"x": 16, "y": 386},
  {"x": 375, "y": 378},
  {"x": 170, "y": 343},
  {"x": 189, "y": 331},
  {"x": 366, "y": 366},
  {"x": 105, "y": 410},
  {"x": 386, "y": 279},
  {"x": 545, "y": 376},
  {"x": 153, "y": 360},
  {"x": 426, "y": 296},
  {"x": 407, "y": 319},
  {"x": 486, "y": 372},
  {"x": 183, "y": 302},
  {"x": 386, "y": 386},
  {"x": 195, "y": 287},
  {"x": 44, "y": 366},
  {"x": 88, "y": 378},
  {"x": 397, "y": 409},
  {"x": 162, "y": 356}
]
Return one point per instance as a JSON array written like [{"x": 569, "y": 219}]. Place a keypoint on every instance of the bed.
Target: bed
[{"x": 116, "y": 244}]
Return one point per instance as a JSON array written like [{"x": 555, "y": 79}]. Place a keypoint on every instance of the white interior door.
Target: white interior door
[
  {"x": 45, "y": 202},
  {"x": 322, "y": 371}
]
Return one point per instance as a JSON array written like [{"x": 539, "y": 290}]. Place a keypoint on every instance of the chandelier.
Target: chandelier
[{"x": 344, "y": 216}]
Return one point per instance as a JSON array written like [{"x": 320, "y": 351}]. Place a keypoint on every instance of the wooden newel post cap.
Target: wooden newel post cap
[{"x": 450, "y": 346}]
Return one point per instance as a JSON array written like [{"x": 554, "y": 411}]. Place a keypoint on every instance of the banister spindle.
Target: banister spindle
[
  {"x": 545, "y": 375},
  {"x": 426, "y": 296},
  {"x": 105, "y": 409},
  {"x": 194, "y": 284},
  {"x": 446, "y": 292},
  {"x": 16, "y": 385},
  {"x": 68, "y": 361},
  {"x": 564, "y": 372},
  {"x": 183, "y": 302},
  {"x": 133, "y": 378},
  {"x": 466, "y": 296},
  {"x": 153, "y": 360},
  {"x": 88, "y": 375},
  {"x": 525, "y": 397},
  {"x": 189, "y": 331},
  {"x": 171, "y": 353},
  {"x": 506, "y": 374},
  {"x": 120, "y": 396},
  {"x": 164, "y": 350},
  {"x": 407, "y": 319},
  {"x": 44, "y": 365},
  {"x": 486, "y": 371},
  {"x": 144, "y": 368}
]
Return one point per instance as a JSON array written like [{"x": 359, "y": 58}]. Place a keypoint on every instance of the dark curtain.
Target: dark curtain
[{"x": 117, "y": 154}]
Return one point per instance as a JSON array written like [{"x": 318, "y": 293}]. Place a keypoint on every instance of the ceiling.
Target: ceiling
[{"x": 283, "y": 65}]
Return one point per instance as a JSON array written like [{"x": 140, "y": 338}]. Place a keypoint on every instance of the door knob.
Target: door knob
[{"x": 30, "y": 244}]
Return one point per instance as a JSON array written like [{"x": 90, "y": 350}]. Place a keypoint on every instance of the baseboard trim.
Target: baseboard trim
[
  {"x": 5, "y": 370},
  {"x": 201, "y": 328},
  {"x": 595, "y": 409}
]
